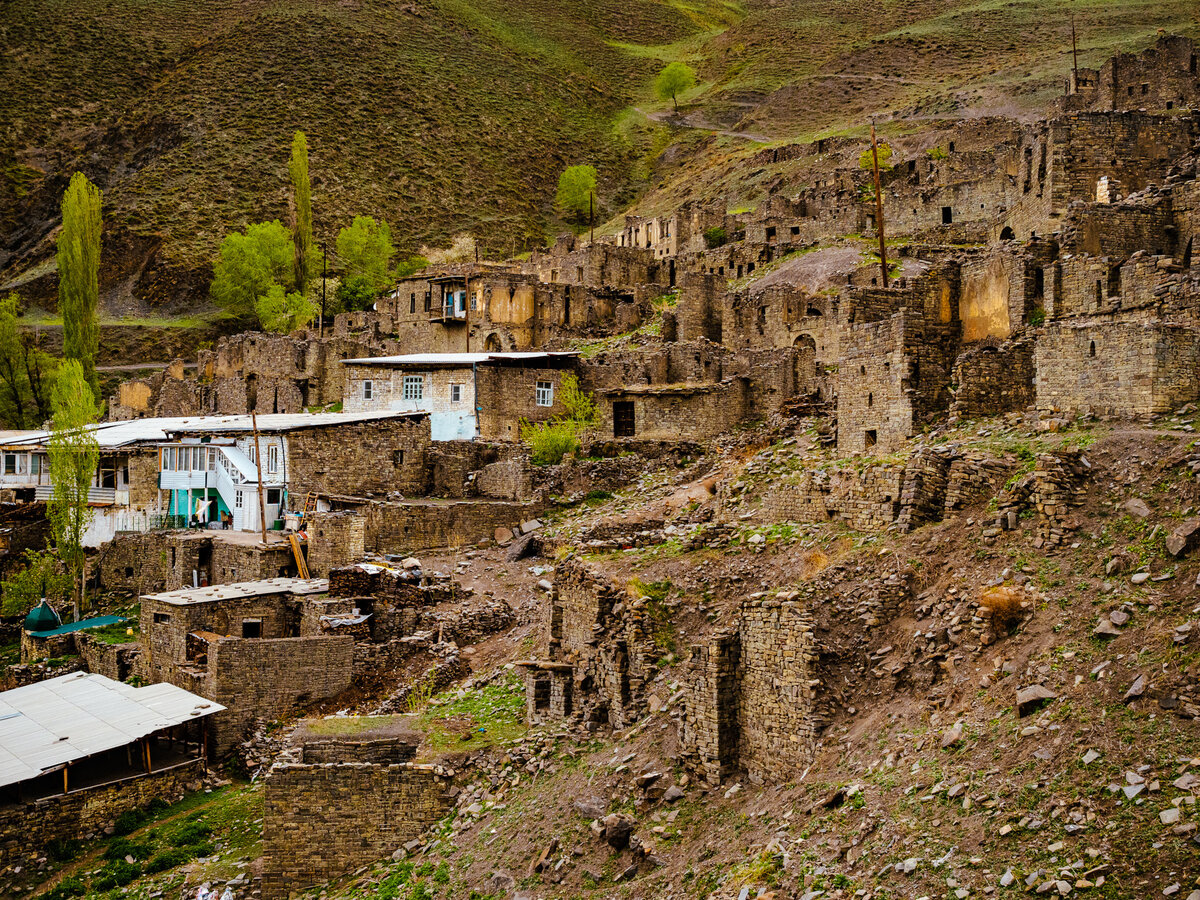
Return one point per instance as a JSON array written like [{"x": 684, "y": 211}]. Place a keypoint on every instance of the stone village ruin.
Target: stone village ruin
[{"x": 1048, "y": 270}]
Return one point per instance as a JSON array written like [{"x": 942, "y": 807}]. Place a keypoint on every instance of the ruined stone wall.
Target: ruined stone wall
[
  {"x": 325, "y": 819},
  {"x": 1145, "y": 222},
  {"x": 1116, "y": 368},
  {"x": 1162, "y": 77},
  {"x": 27, "y": 828},
  {"x": 875, "y": 401},
  {"x": 710, "y": 733},
  {"x": 360, "y": 459},
  {"x": 166, "y": 560},
  {"x": 994, "y": 379},
  {"x": 777, "y": 732},
  {"x": 866, "y": 499},
  {"x": 698, "y": 313},
  {"x": 508, "y": 394},
  {"x": 422, "y": 525},
  {"x": 266, "y": 679},
  {"x": 783, "y": 316},
  {"x": 334, "y": 539}
]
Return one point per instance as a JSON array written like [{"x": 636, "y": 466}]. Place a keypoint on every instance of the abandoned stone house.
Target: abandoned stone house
[
  {"x": 466, "y": 395},
  {"x": 1161, "y": 78},
  {"x": 261, "y": 649},
  {"x": 78, "y": 750}
]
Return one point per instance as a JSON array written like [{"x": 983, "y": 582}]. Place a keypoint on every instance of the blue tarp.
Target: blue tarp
[{"x": 97, "y": 622}]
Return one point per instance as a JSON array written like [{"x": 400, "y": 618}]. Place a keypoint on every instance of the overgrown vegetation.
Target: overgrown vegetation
[{"x": 551, "y": 440}]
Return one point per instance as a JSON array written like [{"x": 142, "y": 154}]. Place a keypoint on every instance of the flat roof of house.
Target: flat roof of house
[
  {"x": 217, "y": 592},
  {"x": 110, "y": 435},
  {"x": 46, "y": 725},
  {"x": 425, "y": 360}
]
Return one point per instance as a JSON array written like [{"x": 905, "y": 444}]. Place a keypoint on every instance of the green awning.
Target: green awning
[{"x": 82, "y": 624}]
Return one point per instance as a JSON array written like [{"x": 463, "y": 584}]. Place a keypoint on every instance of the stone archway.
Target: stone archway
[{"x": 804, "y": 365}]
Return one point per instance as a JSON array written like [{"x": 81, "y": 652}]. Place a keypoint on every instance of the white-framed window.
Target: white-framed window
[
  {"x": 455, "y": 393},
  {"x": 168, "y": 459},
  {"x": 368, "y": 389},
  {"x": 35, "y": 464},
  {"x": 272, "y": 459},
  {"x": 10, "y": 464},
  {"x": 414, "y": 387},
  {"x": 237, "y": 499},
  {"x": 212, "y": 460},
  {"x": 545, "y": 393}
]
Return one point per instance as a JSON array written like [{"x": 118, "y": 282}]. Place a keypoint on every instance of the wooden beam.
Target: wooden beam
[{"x": 66, "y": 789}]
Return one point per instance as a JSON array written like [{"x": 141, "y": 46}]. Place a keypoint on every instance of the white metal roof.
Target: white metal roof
[
  {"x": 452, "y": 359},
  {"x": 111, "y": 435},
  {"x": 47, "y": 724},
  {"x": 188, "y": 596}
]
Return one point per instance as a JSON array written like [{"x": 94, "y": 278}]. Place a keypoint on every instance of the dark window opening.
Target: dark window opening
[
  {"x": 795, "y": 230},
  {"x": 567, "y": 309},
  {"x": 739, "y": 271},
  {"x": 1114, "y": 281},
  {"x": 1007, "y": 234},
  {"x": 1170, "y": 104},
  {"x": 129, "y": 571},
  {"x": 870, "y": 399},
  {"x": 862, "y": 370},
  {"x": 952, "y": 146},
  {"x": 251, "y": 628},
  {"x": 870, "y": 437},
  {"x": 1092, "y": 349},
  {"x": 749, "y": 268},
  {"x": 623, "y": 421},
  {"x": 771, "y": 233},
  {"x": 161, "y": 618},
  {"x": 1039, "y": 283},
  {"x": 1145, "y": 89},
  {"x": 1099, "y": 293},
  {"x": 397, "y": 458},
  {"x": 947, "y": 215},
  {"x": 412, "y": 302},
  {"x": 428, "y": 301},
  {"x": 274, "y": 495},
  {"x": 541, "y": 693}
]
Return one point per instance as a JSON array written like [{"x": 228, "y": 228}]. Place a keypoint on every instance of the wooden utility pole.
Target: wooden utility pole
[
  {"x": 591, "y": 219},
  {"x": 324, "y": 272},
  {"x": 883, "y": 268},
  {"x": 258, "y": 462}
]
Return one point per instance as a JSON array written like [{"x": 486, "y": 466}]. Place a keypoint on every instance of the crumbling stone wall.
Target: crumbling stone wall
[
  {"x": 994, "y": 379},
  {"x": 333, "y": 539},
  {"x": 27, "y": 828},
  {"x": 1115, "y": 368},
  {"x": 425, "y": 524},
  {"x": 751, "y": 695},
  {"x": 866, "y": 499},
  {"x": 322, "y": 820},
  {"x": 267, "y": 679},
  {"x": 361, "y": 459}
]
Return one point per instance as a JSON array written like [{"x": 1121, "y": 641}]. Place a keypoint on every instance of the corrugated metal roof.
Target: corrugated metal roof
[
  {"x": 110, "y": 435},
  {"x": 188, "y": 596},
  {"x": 450, "y": 359},
  {"x": 44, "y": 725}
]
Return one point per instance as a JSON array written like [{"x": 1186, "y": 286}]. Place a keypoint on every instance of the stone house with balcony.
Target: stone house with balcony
[
  {"x": 467, "y": 395},
  {"x": 204, "y": 470}
]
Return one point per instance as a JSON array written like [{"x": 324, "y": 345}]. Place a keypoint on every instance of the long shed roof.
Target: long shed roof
[{"x": 48, "y": 724}]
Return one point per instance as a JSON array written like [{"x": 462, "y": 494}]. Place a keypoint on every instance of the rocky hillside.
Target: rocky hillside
[
  {"x": 444, "y": 116},
  {"x": 1023, "y": 724}
]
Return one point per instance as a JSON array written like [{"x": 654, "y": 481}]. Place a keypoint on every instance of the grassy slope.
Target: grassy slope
[{"x": 439, "y": 116}]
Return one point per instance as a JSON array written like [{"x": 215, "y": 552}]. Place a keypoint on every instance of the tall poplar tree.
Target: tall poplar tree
[
  {"x": 302, "y": 199},
  {"x": 79, "y": 275},
  {"x": 73, "y": 457}
]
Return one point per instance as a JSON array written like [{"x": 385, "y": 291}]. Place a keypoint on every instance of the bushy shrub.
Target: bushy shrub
[
  {"x": 191, "y": 833},
  {"x": 123, "y": 847},
  {"x": 62, "y": 849},
  {"x": 116, "y": 874},
  {"x": 715, "y": 237},
  {"x": 71, "y": 886},
  {"x": 170, "y": 859},
  {"x": 129, "y": 821},
  {"x": 549, "y": 442}
]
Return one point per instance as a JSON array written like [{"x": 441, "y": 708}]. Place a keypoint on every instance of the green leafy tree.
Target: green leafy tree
[
  {"x": 355, "y": 293},
  {"x": 365, "y": 249},
  {"x": 576, "y": 196},
  {"x": 673, "y": 80},
  {"x": 25, "y": 372},
  {"x": 42, "y": 576},
  {"x": 282, "y": 311},
  {"x": 248, "y": 265},
  {"x": 79, "y": 275},
  {"x": 73, "y": 456},
  {"x": 885, "y": 158},
  {"x": 410, "y": 265},
  {"x": 306, "y": 259}
]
